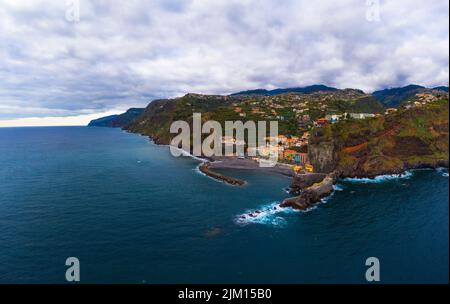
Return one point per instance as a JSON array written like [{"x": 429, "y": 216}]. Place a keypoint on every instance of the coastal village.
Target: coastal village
[
  {"x": 314, "y": 111},
  {"x": 300, "y": 115},
  {"x": 293, "y": 150},
  {"x": 380, "y": 133}
]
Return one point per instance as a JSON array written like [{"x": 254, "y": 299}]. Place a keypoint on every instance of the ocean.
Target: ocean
[{"x": 132, "y": 213}]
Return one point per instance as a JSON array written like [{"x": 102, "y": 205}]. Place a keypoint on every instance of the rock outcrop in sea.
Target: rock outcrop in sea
[{"x": 311, "y": 194}]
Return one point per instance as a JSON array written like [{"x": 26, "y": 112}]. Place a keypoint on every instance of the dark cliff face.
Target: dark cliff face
[{"x": 323, "y": 156}]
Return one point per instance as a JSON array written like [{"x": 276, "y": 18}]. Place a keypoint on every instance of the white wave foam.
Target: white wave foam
[
  {"x": 380, "y": 178},
  {"x": 443, "y": 171},
  {"x": 338, "y": 187},
  {"x": 266, "y": 215},
  {"x": 187, "y": 154},
  {"x": 327, "y": 198},
  {"x": 197, "y": 170}
]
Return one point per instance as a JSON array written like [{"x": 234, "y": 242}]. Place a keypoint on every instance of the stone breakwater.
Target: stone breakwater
[{"x": 205, "y": 169}]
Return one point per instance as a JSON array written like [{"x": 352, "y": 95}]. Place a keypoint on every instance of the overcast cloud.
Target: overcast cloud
[{"x": 127, "y": 53}]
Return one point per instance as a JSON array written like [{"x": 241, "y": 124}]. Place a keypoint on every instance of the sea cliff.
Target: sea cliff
[{"x": 412, "y": 138}]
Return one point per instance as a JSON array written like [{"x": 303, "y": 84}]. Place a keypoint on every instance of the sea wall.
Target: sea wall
[{"x": 204, "y": 168}]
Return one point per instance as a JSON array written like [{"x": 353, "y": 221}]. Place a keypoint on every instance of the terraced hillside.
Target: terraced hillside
[{"x": 412, "y": 137}]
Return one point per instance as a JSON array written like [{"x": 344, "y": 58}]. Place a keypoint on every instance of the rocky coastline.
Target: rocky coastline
[
  {"x": 398, "y": 171},
  {"x": 311, "y": 188}
]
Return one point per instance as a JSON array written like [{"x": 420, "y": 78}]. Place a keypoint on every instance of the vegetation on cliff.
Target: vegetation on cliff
[
  {"x": 412, "y": 137},
  {"x": 287, "y": 108},
  {"x": 394, "y": 97}
]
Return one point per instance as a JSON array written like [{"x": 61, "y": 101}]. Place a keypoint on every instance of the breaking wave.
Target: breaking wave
[
  {"x": 380, "y": 178},
  {"x": 267, "y": 215},
  {"x": 443, "y": 171},
  {"x": 185, "y": 153},
  {"x": 197, "y": 170},
  {"x": 338, "y": 187}
]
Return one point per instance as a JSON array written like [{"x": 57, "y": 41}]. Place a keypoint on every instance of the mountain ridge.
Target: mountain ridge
[
  {"x": 305, "y": 90},
  {"x": 394, "y": 97}
]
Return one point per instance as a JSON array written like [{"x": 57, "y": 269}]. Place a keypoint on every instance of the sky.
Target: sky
[{"x": 66, "y": 62}]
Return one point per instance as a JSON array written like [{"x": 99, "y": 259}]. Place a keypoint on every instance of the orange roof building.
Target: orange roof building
[{"x": 322, "y": 121}]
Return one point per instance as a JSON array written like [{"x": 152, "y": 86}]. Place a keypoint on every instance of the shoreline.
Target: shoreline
[
  {"x": 312, "y": 188},
  {"x": 208, "y": 166},
  {"x": 312, "y": 193}
]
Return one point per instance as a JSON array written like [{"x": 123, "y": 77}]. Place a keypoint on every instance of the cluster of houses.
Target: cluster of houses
[
  {"x": 239, "y": 111},
  {"x": 283, "y": 146},
  {"x": 305, "y": 121},
  {"x": 258, "y": 110},
  {"x": 390, "y": 111},
  {"x": 334, "y": 118},
  {"x": 421, "y": 100},
  {"x": 290, "y": 149}
]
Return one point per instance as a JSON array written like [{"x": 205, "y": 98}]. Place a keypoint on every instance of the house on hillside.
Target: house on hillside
[
  {"x": 390, "y": 111},
  {"x": 333, "y": 118},
  {"x": 361, "y": 115},
  {"x": 283, "y": 139},
  {"x": 321, "y": 122}
]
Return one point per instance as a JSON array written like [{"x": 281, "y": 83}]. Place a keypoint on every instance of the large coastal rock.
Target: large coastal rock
[
  {"x": 311, "y": 195},
  {"x": 303, "y": 181}
]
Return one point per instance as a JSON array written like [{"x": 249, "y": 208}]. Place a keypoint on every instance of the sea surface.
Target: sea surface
[{"x": 132, "y": 213}]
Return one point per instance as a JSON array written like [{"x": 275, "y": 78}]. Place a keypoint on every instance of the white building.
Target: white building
[
  {"x": 361, "y": 115},
  {"x": 333, "y": 117}
]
